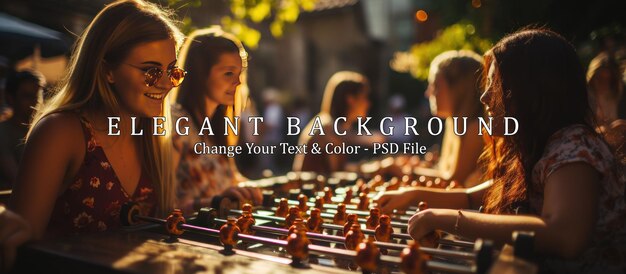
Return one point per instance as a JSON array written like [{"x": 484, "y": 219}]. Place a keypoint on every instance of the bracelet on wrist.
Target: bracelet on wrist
[{"x": 457, "y": 223}]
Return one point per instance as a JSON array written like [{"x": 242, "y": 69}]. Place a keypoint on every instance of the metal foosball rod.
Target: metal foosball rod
[
  {"x": 379, "y": 224},
  {"x": 341, "y": 221},
  {"x": 359, "y": 206},
  {"x": 331, "y": 215},
  {"x": 366, "y": 254},
  {"x": 401, "y": 236},
  {"x": 398, "y": 220},
  {"x": 342, "y": 240},
  {"x": 304, "y": 206},
  {"x": 372, "y": 221}
]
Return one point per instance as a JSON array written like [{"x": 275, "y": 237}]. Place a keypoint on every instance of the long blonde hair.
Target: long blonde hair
[
  {"x": 114, "y": 31},
  {"x": 462, "y": 70}
]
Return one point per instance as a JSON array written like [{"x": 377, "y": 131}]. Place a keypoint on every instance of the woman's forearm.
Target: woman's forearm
[
  {"x": 431, "y": 172},
  {"x": 549, "y": 239},
  {"x": 498, "y": 228},
  {"x": 469, "y": 198},
  {"x": 439, "y": 198}
]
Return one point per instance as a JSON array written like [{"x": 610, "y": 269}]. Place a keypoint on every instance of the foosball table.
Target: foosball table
[{"x": 306, "y": 223}]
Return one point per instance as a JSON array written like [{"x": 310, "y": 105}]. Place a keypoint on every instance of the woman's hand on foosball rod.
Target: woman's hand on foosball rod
[
  {"x": 423, "y": 226},
  {"x": 244, "y": 194},
  {"x": 389, "y": 201}
]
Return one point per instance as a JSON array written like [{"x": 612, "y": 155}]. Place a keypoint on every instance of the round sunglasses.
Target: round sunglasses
[{"x": 153, "y": 75}]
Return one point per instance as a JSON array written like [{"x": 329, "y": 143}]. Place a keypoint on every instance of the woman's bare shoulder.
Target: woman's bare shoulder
[{"x": 59, "y": 129}]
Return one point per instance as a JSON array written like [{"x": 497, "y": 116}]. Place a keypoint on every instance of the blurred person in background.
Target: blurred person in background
[
  {"x": 5, "y": 110},
  {"x": 23, "y": 92},
  {"x": 213, "y": 89},
  {"x": 453, "y": 91},
  {"x": 605, "y": 83},
  {"x": 346, "y": 95}
]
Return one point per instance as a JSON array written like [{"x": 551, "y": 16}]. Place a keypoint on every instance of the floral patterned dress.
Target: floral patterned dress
[
  {"x": 607, "y": 252},
  {"x": 199, "y": 175},
  {"x": 93, "y": 200}
]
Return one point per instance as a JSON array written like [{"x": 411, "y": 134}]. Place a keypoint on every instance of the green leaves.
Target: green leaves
[
  {"x": 249, "y": 36},
  {"x": 246, "y": 16},
  {"x": 280, "y": 12},
  {"x": 455, "y": 37}
]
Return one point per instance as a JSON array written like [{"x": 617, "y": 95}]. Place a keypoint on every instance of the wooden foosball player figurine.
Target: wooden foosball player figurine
[
  {"x": 229, "y": 234},
  {"x": 367, "y": 256},
  {"x": 294, "y": 213},
  {"x": 246, "y": 208},
  {"x": 364, "y": 202},
  {"x": 172, "y": 224},
  {"x": 340, "y": 217},
  {"x": 319, "y": 203},
  {"x": 354, "y": 236},
  {"x": 302, "y": 200},
  {"x": 283, "y": 208},
  {"x": 413, "y": 261},
  {"x": 352, "y": 219},
  {"x": 431, "y": 240},
  {"x": 383, "y": 231},
  {"x": 298, "y": 248},
  {"x": 315, "y": 221},
  {"x": 348, "y": 198},
  {"x": 244, "y": 222},
  {"x": 298, "y": 224},
  {"x": 336, "y": 226},
  {"x": 315, "y": 235},
  {"x": 374, "y": 219},
  {"x": 326, "y": 212},
  {"x": 328, "y": 195}
]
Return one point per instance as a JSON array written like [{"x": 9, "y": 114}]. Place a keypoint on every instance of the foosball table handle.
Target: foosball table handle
[
  {"x": 524, "y": 245},
  {"x": 484, "y": 255}
]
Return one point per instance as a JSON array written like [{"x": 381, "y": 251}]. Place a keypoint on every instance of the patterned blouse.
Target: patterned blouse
[
  {"x": 93, "y": 201},
  {"x": 199, "y": 175},
  {"x": 608, "y": 248}
]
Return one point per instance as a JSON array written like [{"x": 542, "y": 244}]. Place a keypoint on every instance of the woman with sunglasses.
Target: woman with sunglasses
[
  {"x": 74, "y": 177},
  {"x": 556, "y": 173},
  {"x": 213, "y": 89}
]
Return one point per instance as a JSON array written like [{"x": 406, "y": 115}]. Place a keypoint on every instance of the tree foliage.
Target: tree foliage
[
  {"x": 455, "y": 37},
  {"x": 246, "y": 16}
]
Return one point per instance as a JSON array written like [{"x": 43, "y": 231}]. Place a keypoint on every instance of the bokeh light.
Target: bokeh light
[{"x": 421, "y": 16}]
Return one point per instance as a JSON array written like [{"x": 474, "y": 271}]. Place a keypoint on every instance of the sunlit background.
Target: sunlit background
[{"x": 296, "y": 45}]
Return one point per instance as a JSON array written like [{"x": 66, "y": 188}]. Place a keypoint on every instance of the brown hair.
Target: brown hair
[
  {"x": 200, "y": 52},
  {"x": 339, "y": 86},
  {"x": 539, "y": 81}
]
